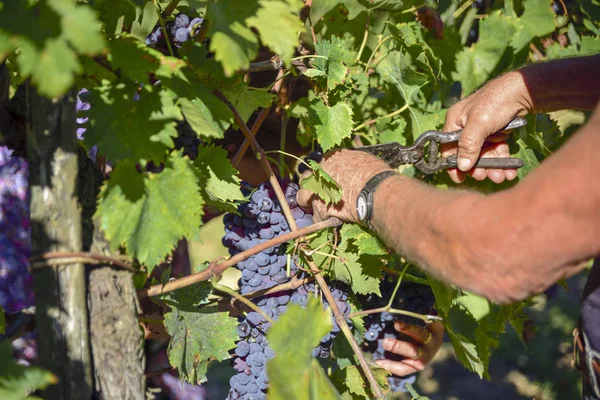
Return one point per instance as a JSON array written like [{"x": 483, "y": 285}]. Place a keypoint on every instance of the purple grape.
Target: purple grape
[
  {"x": 16, "y": 283},
  {"x": 182, "y": 21}
]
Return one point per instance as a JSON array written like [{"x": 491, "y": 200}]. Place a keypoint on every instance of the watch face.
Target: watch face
[{"x": 361, "y": 207}]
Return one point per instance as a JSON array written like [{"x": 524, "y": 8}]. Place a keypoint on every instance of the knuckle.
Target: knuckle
[{"x": 469, "y": 143}]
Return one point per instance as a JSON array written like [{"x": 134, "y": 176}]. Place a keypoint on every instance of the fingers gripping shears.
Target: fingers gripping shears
[{"x": 395, "y": 154}]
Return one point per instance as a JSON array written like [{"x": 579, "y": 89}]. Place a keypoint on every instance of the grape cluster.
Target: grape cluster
[
  {"x": 25, "y": 349},
  {"x": 16, "y": 283},
  {"x": 260, "y": 220},
  {"x": 178, "y": 30},
  {"x": 410, "y": 297}
]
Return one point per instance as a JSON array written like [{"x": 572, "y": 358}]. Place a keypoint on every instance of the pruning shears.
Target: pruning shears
[{"x": 395, "y": 154}]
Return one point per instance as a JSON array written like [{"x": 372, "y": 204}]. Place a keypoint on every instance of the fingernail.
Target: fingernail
[
  {"x": 400, "y": 325},
  {"x": 381, "y": 363},
  {"x": 464, "y": 164},
  {"x": 387, "y": 343}
]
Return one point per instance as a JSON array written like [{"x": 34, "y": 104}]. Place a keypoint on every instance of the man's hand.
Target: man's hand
[
  {"x": 427, "y": 342},
  {"x": 351, "y": 170},
  {"x": 480, "y": 115}
]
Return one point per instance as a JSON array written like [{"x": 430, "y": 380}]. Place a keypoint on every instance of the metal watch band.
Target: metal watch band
[{"x": 368, "y": 192}]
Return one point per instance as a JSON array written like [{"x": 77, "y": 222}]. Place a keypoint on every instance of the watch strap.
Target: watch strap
[{"x": 369, "y": 190}]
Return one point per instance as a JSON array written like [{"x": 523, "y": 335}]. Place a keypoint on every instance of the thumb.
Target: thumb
[
  {"x": 469, "y": 147},
  {"x": 303, "y": 198}
]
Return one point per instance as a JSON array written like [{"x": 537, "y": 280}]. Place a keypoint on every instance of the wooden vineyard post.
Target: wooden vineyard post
[{"x": 56, "y": 224}]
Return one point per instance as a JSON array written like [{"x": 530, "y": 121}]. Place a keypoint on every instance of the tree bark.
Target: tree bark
[
  {"x": 60, "y": 291},
  {"x": 117, "y": 339}
]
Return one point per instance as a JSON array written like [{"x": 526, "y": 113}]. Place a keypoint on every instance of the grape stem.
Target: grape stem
[
  {"x": 365, "y": 36},
  {"x": 239, "y": 297},
  {"x": 162, "y": 24},
  {"x": 390, "y": 115},
  {"x": 289, "y": 155},
  {"x": 423, "y": 317},
  {"x": 388, "y": 308},
  {"x": 340, "y": 318},
  {"x": 217, "y": 268},
  {"x": 170, "y": 8},
  {"x": 381, "y": 42}
]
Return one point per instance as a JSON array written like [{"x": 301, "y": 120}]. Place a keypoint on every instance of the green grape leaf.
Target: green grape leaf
[
  {"x": 198, "y": 337},
  {"x": 233, "y": 43},
  {"x": 364, "y": 241},
  {"x": 320, "y": 183},
  {"x": 313, "y": 73},
  {"x": 477, "y": 306},
  {"x": 141, "y": 129},
  {"x": 528, "y": 156},
  {"x": 150, "y": 223},
  {"x": 335, "y": 58},
  {"x": 393, "y": 131},
  {"x": 46, "y": 54},
  {"x": 111, "y": 12},
  {"x": 395, "y": 70},
  {"x": 537, "y": 20},
  {"x": 418, "y": 55},
  {"x": 293, "y": 373},
  {"x": 475, "y": 64},
  {"x": 246, "y": 101},
  {"x": 137, "y": 60},
  {"x": 221, "y": 178},
  {"x": 462, "y": 330},
  {"x": 187, "y": 298},
  {"x": 466, "y": 352},
  {"x": 80, "y": 26},
  {"x": 207, "y": 115},
  {"x": 422, "y": 121},
  {"x": 2, "y": 321},
  {"x": 278, "y": 24},
  {"x": 331, "y": 124},
  {"x": 17, "y": 382},
  {"x": 352, "y": 378},
  {"x": 350, "y": 269},
  {"x": 443, "y": 295}
]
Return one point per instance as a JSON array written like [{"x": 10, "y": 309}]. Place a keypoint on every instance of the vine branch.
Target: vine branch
[
  {"x": 65, "y": 257},
  {"x": 340, "y": 318},
  {"x": 216, "y": 268}
]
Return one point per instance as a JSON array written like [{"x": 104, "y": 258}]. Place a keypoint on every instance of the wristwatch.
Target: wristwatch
[{"x": 364, "y": 202}]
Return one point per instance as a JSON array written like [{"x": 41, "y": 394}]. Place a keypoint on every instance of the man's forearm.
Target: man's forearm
[
  {"x": 507, "y": 245},
  {"x": 571, "y": 83}
]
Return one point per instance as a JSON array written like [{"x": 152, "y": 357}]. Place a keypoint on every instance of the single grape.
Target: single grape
[
  {"x": 182, "y": 35},
  {"x": 371, "y": 335},
  {"x": 182, "y": 21}
]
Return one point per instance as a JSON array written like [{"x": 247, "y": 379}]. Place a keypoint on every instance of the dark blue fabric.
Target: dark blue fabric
[
  {"x": 590, "y": 320},
  {"x": 590, "y": 310}
]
